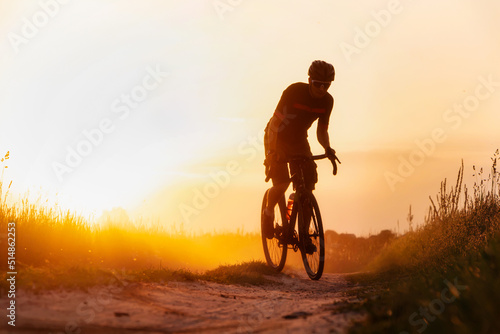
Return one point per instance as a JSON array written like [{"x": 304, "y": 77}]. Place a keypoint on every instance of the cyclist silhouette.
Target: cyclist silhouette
[{"x": 286, "y": 136}]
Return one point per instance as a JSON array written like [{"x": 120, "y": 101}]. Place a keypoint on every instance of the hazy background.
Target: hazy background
[{"x": 401, "y": 66}]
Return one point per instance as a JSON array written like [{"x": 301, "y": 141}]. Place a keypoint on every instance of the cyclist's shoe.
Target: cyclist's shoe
[
  {"x": 310, "y": 248},
  {"x": 268, "y": 224}
]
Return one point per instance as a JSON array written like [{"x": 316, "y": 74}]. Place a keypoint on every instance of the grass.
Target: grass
[
  {"x": 59, "y": 248},
  {"x": 39, "y": 279},
  {"x": 428, "y": 302},
  {"x": 253, "y": 273},
  {"x": 459, "y": 243},
  {"x": 56, "y": 248},
  {"x": 48, "y": 237},
  {"x": 445, "y": 275}
]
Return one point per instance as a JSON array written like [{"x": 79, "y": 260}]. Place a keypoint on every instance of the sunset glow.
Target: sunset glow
[{"x": 158, "y": 107}]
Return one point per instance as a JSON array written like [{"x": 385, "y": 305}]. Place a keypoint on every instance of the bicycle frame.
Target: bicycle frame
[
  {"x": 301, "y": 194},
  {"x": 309, "y": 236}
]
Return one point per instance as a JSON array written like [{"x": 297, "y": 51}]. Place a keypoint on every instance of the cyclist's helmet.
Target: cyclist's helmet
[{"x": 322, "y": 71}]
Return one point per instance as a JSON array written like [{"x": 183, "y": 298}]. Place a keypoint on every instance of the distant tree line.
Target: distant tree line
[{"x": 348, "y": 253}]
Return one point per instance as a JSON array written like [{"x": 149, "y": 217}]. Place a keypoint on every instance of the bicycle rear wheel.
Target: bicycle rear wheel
[
  {"x": 275, "y": 248},
  {"x": 315, "y": 262}
]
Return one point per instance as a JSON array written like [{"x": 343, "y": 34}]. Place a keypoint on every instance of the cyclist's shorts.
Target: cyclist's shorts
[{"x": 281, "y": 173}]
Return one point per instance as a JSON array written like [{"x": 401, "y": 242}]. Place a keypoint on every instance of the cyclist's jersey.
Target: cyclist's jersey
[{"x": 297, "y": 110}]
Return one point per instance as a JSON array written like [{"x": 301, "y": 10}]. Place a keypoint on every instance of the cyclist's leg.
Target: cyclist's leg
[
  {"x": 274, "y": 194},
  {"x": 281, "y": 180}
]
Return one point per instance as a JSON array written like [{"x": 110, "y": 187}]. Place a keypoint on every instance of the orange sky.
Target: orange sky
[{"x": 160, "y": 95}]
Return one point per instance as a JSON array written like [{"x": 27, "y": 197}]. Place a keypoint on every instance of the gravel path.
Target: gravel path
[{"x": 294, "y": 304}]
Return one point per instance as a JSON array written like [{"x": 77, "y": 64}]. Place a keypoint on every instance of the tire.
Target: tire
[
  {"x": 313, "y": 263},
  {"x": 275, "y": 248}
]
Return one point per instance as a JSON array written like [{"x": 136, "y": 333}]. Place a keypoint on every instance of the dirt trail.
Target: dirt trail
[{"x": 294, "y": 305}]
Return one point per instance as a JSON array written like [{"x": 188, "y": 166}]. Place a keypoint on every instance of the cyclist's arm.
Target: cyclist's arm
[
  {"x": 275, "y": 123},
  {"x": 272, "y": 133},
  {"x": 322, "y": 134},
  {"x": 322, "y": 131}
]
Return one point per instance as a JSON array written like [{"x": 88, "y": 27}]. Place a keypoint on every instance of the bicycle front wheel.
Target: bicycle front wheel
[
  {"x": 275, "y": 248},
  {"x": 311, "y": 227}
]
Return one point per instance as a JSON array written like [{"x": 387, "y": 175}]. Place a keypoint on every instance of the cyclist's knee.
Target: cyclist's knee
[
  {"x": 278, "y": 189},
  {"x": 281, "y": 187}
]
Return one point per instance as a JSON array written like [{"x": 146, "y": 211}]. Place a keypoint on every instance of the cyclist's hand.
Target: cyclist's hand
[{"x": 330, "y": 152}]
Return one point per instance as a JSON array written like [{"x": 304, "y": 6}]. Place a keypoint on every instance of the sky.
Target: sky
[{"x": 158, "y": 107}]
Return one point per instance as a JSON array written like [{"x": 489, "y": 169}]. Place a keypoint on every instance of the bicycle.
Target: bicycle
[{"x": 305, "y": 210}]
